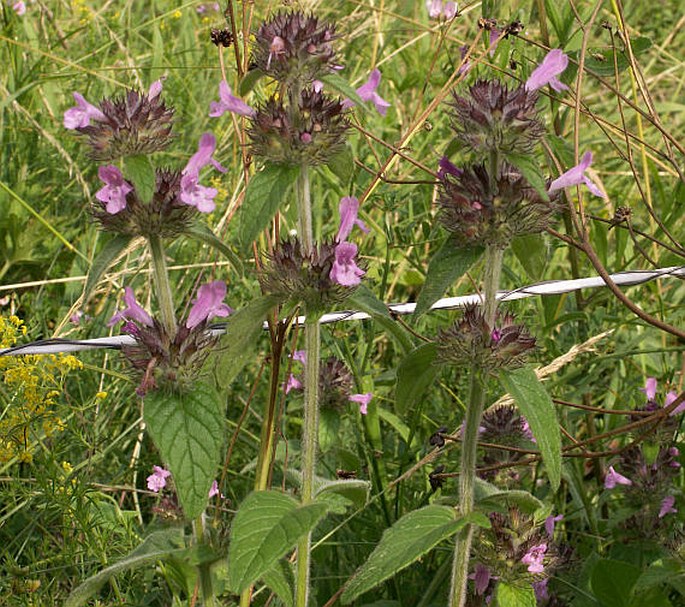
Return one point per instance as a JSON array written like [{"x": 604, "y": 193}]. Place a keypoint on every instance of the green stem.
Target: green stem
[
  {"x": 204, "y": 569},
  {"x": 304, "y": 209},
  {"x": 163, "y": 287},
  {"x": 312, "y": 338},
  {"x": 469, "y": 445}
]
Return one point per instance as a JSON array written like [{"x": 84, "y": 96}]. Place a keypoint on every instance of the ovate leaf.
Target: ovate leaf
[
  {"x": 156, "y": 547},
  {"x": 264, "y": 195},
  {"x": 536, "y": 405},
  {"x": 515, "y": 596},
  {"x": 488, "y": 497},
  {"x": 140, "y": 171},
  {"x": 445, "y": 267},
  {"x": 266, "y": 526},
  {"x": 237, "y": 347},
  {"x": 612, "y": 582},
  {"x": 354, "y": 490},
  {"x": 188, "y": 430},
  {"x": 103, "y": 261},
  {"x": 415, "y": 375},
  {"x": 407, "y": 540}
]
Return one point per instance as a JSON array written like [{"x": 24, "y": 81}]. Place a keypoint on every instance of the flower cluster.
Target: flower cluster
[
  {"x": 171, "y": 362},
  {"x": 158, "y": 481},
  {"x": 470, "y": 341}
]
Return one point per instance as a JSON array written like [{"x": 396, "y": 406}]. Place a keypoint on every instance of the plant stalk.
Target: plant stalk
[
  {"x": 204, "y": 569},
  {"x": 312, "y": 337},
  {"x": 304, "y": 209},
  {"x": 160, "y": 276},
  {"x": 469, "y": 445}
]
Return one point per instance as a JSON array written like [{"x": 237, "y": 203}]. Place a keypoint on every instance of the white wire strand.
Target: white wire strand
[{"x": 549, "y": 287}]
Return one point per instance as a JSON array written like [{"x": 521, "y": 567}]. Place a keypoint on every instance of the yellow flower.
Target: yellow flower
[{"x": 101, "y": 395}]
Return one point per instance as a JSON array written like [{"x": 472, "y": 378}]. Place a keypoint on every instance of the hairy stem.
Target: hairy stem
[
  {"x": 469, "y": 445},
  {"x": 203, "y": 569},
  {"x": 160, "y": 276},
  {"x": 312, "y": 337},
  {"x": 304, "y": 209}
]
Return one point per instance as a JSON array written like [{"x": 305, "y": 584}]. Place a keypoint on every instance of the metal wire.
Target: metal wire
[{"x": 548, "y": 287}]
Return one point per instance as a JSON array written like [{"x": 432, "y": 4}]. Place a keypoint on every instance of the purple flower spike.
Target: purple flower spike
[
  {"x": 667, "y": 506},
  {"x": 115, "y": 190},
  {"x": 80, "y": 116},
  {"x": 363, "y": 400},
  {"x": 550, "y": 522},
  {"x": 133, "y": 312},
  {"x": 554, "y": 63},
  {"x": 192, "y": 193},
  {"x": 534, "y": 558},
  {"x": 208, "y": 304},
  {"x": 345, "y": 271},
  {"x": 367, "y": 92},
  {"x": 157, "y": 480},
  {"x": 576, "y": 176},
  {"x": 349, "y": 208},
  {"x": 613, "y": 478},
  {"x": 229, "y": 103}
]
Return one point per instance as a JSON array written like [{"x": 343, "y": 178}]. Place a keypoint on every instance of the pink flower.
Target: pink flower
[
  {"x": 550, "y": 522},
  {"x": 115, "y": 190},
  {"x": 613, "y": 478},
  {"x": 80, "y": 116},
  {"x": 155, "y": 89},
  {"x": 554, "y": 63},
  {"x": 133, "y": 312},
  {"x": 534, "y": 557},
  {"x": 363, "y": 400},
  {"x": 292, "y": 383},
  {"x": 667, "y": 506},
  {"x": 345, "y": 270},
  {"x": 481, "y": 578},
  {"x": 208, "y": 304},
  {"x": 650, "y": 388},
  {"x": 349, "y": 208},
  {"x": 367, "y": 92},
  {"x": 214, "y": 490},
  {"x": 300, "y": 356},
  {"x": 576, "y": 176},
  {"x": 192, "y": 193},
  {"x": 229, "y": 103},
  {"x": 157, "y": 480},
  {"x": 438, "y": 8},
  {"x": 19, "y": 8}
]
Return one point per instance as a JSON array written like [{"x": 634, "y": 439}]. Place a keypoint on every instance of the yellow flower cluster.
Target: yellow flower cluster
[
  {"x": 29, "y": 388},
  {"x": 84, "y": 12}
]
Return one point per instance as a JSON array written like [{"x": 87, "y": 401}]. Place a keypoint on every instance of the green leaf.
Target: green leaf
[
  {"x": 266, "y": 526},
  {"x": 203, "y": 233},
  {"x": 415, "y": 375},
  {"x": 139, "y": 170},
  {"x": 342, "y": 165},
  {"x": 236, "y": 348},
  {"x": 281, "y": 582},
  {"x": 103, "y": 261},
  {"x": 600, "y": 61},
  {"x": 353, "y": 490},
  {"x": 263, "y": 197},
  {"x": 560, "y": 23},
  {"x": 339, "y": 84},
  {"x": 530, "y": 169},
  {"x": 489, "y": 496},
  {"x": 515, "y": 596},
  {"x": 158, "y": 546},
  {"x": 536, "y": 405},
  {"x": 445, "y": 267},
  {"x": 363, "y": 299},
  {"x": 531, "y": 251},
  {"x": 188, "y": 430},
  {"x": 612, "y": 582},
  {"x": 249, "y": 81},
  {"x": 407, "y": 540}
]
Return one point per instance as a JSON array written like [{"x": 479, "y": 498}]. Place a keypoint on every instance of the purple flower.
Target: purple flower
[
  {"x": 292, "y": 383},
  {"x": 229, "y": 103},
  {"x": 345, "y": 271},
  {"x": 208, "y": 304},
  {"x": 436, "y": 8},
  {"x": 445, "y": 167},
  {"x": 667, "y": 506},
  {"x": 300, "y": 356},
  {"x": 481, "y": 578},
  {"x": 192, "y": 193},
  {"x": 650, "y": 388},
  {"x": 367, "y": 92},
  {"x": 80, "y": 116},
  {"x": 540, "y": 590},
  {"x": 19, "y": 8},
  {"x": 613, "y": 478},
  {"x": 133, "y": 312},
  {"x": 363, "y": 400},
  {"x": 214, "y": 490},
  {"x": 534, "y": 557},
  {"x": 550, "y": 522},
  {"x": 349, "y": 208},
  {"x": 554, "y": 63},
  {"x": 466, "y": 65},
  {"x": 115, "y": 190},
  {"x": 494, "y": 40},
  {"x": 576, "y": 176},
  {"x": 157, "y": 480},
  {"x": 155, "y": 89}
]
